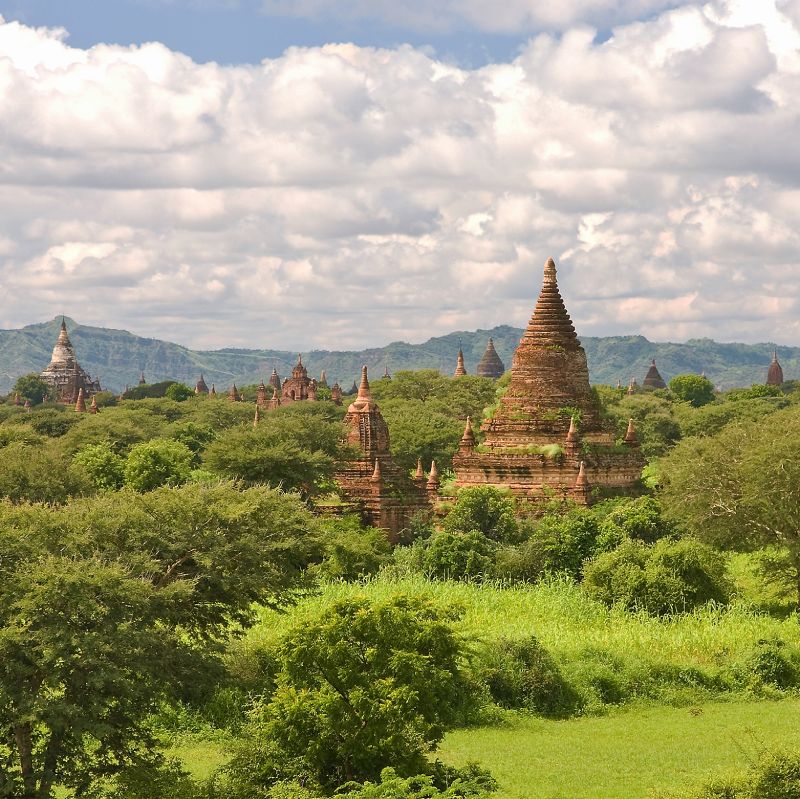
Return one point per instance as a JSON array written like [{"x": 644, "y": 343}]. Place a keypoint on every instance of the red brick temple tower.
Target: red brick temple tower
[
  {"x": 388, "y": 498},
  {"x": 548, "y": 402}
]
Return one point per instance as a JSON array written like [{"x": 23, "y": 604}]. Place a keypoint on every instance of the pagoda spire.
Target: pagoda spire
[
  {"x": 468, "y": 437},
  {"x": 572, "y": 443},
  {"x": 420, "y": 473},
  {"x": 490, "y": 364},
  {"x": 233, "y": 393},
  {"x": 433, "y": 477},
  {"x": 631, "y": 439},
  {"x": 376, "y": 474},
  {"x": 550, "y": 323},
  {"x": 775, "y": 373},
  {"x": 461, "y": 370},
  {"x": 93, "y": 407},
  {"x": 364, "y": 390},
  {"x": 80, "y": 403}
]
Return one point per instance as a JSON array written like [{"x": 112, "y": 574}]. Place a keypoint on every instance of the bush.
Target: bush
[
  {"x": 351, "y": 550},
  {"x": 462, "y": 784},
  {"x": 485, "y": 509},
  {"x": 667, "y": 577},
  {"x": 364, "y": 686},
  {"x": 695, "y": 389},
  {"x": 522, "y": 675},
  {"x": 178, "y": 392},
  {"x": 102, "y": 465},
  {"x": 771, "y": 662},
  {"x": 454, "y": 556},
  {"x": 37, "y": 474},
  {"x": 156, "y": 463},
  {"x": 638, "y": 518}
]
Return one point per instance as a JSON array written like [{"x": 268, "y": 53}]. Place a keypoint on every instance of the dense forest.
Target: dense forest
[{"x": 180, "y": 620}]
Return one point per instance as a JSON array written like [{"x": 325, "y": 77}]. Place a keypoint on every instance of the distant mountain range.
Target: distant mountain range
[{"x": 118, "y": 357}]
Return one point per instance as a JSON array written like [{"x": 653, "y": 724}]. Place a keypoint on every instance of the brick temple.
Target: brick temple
[
  {"x": 64, "y": 374},
  {"x": 388, "y": 498},
  {"x": 549, "y": 402}
]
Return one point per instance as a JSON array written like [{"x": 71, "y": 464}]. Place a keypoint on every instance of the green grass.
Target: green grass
[
  {"x": 626, "y": 755},
  {"x": 564, "y": 619}
]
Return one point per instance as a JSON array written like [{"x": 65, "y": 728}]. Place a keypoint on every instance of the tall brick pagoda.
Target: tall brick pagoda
[
  {"x": 490, "y": 364},
  {"x": 653, "y": 379},
  {"x": 775, "y": 372},
  {"x": 548, "y": 402},
  {"x": 64, "y": 374},
  {"x": 387, "y": 497}
]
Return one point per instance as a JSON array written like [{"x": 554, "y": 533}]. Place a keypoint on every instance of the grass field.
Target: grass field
[{"x": 627, "y": 755}]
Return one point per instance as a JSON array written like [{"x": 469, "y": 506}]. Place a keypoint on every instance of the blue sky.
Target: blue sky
[
  {"x": 406, "y": 173},
  {"x": 243, "y": 32}
]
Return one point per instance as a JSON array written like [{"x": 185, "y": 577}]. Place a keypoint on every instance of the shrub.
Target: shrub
[
  {"x": 667, "y": 577},
  {"x": 156, "y": 463},
  {"x": 522, "y": 674},
  {"x": 364, "y": 686},
  {"x": 469, "y": 782},
  {"x": 695, "y": 389},
  {"x": 179, "y": 392},
  {"x": 454, "y": 556},
  {"x": 102, "y": 465},
  {"x": 638, "y": 518},
  {"x": 351, "y": 550},
  {"x": 485, "y": 509},
  {"x": 772, "y": 663}
]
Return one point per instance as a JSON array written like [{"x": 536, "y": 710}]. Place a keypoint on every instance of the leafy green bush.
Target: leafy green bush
[
  {"x": 454, "y": 556},
  {"x": 485, "y": 509},
  {"x": 667, "y": 577},
  {"x": 771, "y": 662},
  {"x": 463, "y": 784},
  {"x": 363, "y": 686},
  {"x": 102, "y": 465},
  {"x": 522, "y": 674},
  {"x": 694, "y": 389},
  {"x": 351, "y": 550},
  {"x": 179, "y": 392},
  {"x": 157, "y": 462}
]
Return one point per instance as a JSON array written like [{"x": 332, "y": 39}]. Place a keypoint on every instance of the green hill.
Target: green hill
[{"x": 118, "y": 357}]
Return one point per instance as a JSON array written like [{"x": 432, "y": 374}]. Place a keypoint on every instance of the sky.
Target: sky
[{"x": 339, "y": 174}]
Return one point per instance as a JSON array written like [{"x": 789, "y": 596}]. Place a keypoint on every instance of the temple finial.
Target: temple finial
[
  {"x": 550, "y": 269},
  {"x": 363, "y": 389},
  {"x": 631, "y": 439},
  {"x": 468, "y": 437},
  {"x": 376, "y": 474},
  {"x": 461, "y": 370},
  {"x": 80, "y": 403},
  {"x": 433, "y": 476}
]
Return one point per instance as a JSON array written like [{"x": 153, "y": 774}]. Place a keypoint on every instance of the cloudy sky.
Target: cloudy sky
[{"x": 344, "y": 173}]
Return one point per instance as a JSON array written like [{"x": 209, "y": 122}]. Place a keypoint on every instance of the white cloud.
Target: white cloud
[{"x": 344, "y": 196}]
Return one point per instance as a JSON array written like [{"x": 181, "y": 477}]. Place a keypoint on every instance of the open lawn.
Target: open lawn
[{"x": 626, "y": 755}]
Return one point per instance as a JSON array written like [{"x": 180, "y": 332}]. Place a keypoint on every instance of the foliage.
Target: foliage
[
  {"x": 296, "y": 447},
  {"x": 639, "y": 518},
  {"x": 772, "y": 662},
  {"x": 363, "y": 686},
  {"x": 52, "y": 422},
  {"x": 179, "y": 392},
  {"x": 485, "y": 509},
  {"x": 89, "y": 643},
  {"x": 32, "y": 387},
  {"x": 666, "y": 577},
  {"x": 156, "y": 463},
  {"x": 522, "y": 674},
  {"x": 694, "y": 389},
  {"x": 102, "y": 465},
  {"x": 739, "y": 488},
  {"x": 350, "y": 550},
  {"x": 470, "y": 782},
  {"x": 454, "y": 556},
  {"x": 148, "y": 390},
  {"x": 38, "y": 474}
]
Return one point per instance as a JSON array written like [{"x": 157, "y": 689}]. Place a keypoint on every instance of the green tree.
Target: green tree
[
  {"x": 32, "y": 387},
  {"x": 487, "y": 509},
  {"x": 178, "y": 392},
  {"x": 455, "y": 556},
  {"x": 102, "y": 465},
  {"x": 739, "y": 488},
  {"x": 157, "y": 462},
  {"x": 90, "y": 644},
  {"x": 695, "y": 389},
  {"x": 38, "y": 474},
  {"x": 364, "y": 686}
]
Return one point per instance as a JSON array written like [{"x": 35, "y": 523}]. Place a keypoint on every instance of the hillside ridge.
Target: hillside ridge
[{"x": 118, "y": 357}]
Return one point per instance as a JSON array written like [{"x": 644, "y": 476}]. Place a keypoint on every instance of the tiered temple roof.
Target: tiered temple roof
[
  {"x": 388, "y": 498},
  {"x": 64, "y": 374},
  {"x": 653, "y": 378},
  {"x": 774, "y": 373},
  {"x": 201, "y": 387},
  {"x": 548, "y": 402},
  {"x": 299, "y": 386},
  {"x": 490, "y": 364}
]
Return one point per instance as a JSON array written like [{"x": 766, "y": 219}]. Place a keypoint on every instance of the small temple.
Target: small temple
[
  {"x": 299, "y": 386},
  {"x": 490, "y": 364},
  {"x": 387, "y": 497},
  {"x": 200, "y": 386},
  {"x": 547, "y": 436},
  {"x": 653, "y": 379},
  {"x": 775, "y": 372},
  {"x": 64, "y": 374}
]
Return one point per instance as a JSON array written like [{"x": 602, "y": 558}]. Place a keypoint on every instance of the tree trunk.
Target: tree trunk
[{"x": 22, "y": 736}]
